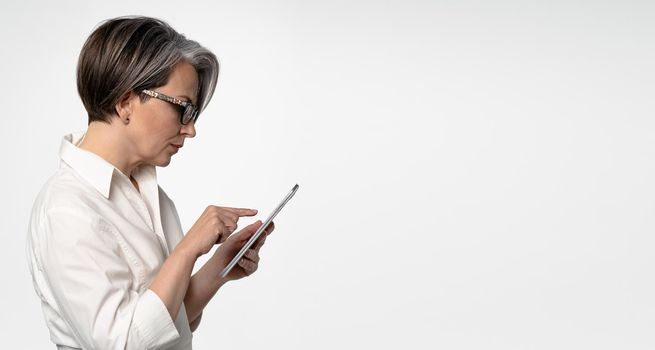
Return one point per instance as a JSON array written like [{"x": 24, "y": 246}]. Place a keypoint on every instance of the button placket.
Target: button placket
[
  {"x": 144, "y": 212},
  {"x": 143, "y": 197},
  {"x": 141, "y": 208},
  {"x": 150, "y": 194}
]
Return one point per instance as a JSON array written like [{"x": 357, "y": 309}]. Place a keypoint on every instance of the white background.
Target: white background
[{"x": 473, "y": 174}]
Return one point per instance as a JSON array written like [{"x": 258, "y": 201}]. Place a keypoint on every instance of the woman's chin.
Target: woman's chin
[
  {"x": 165, "y": 162},
  {"x": 162, "y": 160}
]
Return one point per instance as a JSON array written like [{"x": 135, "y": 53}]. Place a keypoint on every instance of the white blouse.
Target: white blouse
[{"x": 94, "y": 245}]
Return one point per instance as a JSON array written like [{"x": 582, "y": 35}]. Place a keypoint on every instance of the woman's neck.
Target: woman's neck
[{"x": 109, "y": 143}]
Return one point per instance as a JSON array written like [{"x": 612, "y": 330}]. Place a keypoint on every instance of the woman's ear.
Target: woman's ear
[{"x": 125, "y": 106}]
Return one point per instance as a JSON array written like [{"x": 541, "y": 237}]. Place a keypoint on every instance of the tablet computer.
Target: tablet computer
[{"x": 261, "y": 229}]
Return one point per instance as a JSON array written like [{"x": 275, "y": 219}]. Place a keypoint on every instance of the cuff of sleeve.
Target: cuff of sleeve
[{"x": 153, "y": 322}]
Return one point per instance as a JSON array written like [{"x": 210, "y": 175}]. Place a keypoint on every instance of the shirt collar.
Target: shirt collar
[{"x": 96, "y": 170}]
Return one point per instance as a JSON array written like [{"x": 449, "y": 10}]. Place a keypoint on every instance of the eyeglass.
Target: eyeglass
[{"x": 188, "y": 110}]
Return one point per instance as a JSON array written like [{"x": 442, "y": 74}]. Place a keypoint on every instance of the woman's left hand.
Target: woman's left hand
[{"x": 248, "y": 264}]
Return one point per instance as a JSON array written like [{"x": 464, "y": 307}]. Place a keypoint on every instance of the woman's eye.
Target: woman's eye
[{"x": 178, "y": 108}]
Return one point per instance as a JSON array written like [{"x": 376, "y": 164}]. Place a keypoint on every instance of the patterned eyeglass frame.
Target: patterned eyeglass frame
[{"x": 175, "y": 101}]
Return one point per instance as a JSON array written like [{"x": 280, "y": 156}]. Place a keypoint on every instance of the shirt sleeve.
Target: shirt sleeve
[{"x": 92, "y": 283}]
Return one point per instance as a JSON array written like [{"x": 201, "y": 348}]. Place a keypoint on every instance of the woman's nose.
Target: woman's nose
[{"x": 189, "y": 129}]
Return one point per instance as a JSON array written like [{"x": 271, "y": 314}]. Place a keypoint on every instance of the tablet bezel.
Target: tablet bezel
[{"x": 254, "y": 237}]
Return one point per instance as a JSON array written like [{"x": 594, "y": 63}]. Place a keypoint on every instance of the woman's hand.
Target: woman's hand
[
  {"x": 248, "y": 264},
  {"x": 213, "y": 227}
]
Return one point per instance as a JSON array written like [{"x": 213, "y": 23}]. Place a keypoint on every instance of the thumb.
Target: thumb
[{"x": 248, "y": 231}]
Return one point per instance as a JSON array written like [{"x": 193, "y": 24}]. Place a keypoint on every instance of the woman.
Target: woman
[{"x": 105, "y": 247}]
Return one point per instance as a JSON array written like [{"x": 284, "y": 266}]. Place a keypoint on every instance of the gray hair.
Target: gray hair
[{"x": 132, "y": 53}]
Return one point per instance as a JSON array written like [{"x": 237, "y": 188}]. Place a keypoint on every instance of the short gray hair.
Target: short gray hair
[{"x": 132, "y": 53}]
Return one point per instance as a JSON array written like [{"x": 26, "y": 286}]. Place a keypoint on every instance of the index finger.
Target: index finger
[{"x": 242, "y": 211}]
